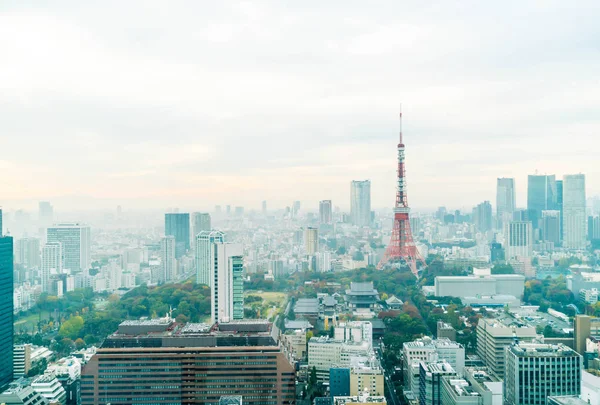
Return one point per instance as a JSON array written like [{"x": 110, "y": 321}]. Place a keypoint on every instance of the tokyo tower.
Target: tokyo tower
[{"x": 402, "y": 248}]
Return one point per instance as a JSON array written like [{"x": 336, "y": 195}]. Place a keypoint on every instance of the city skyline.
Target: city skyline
[{"x": 123, "y": 119}]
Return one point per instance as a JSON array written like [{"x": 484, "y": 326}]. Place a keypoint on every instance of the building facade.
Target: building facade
[
  {"x": 178, "y": 225},
  {"x": 505, "y": 200},
  {"x": 52, "y": 263},
  {"x": 205, "y": 241},
  {"x": 168, "y": 262},
  {"x": 541, "y": 195},
  {"x": 574, "y": 212},
  {"x": 201, "y": 222},
  {"x": 325, "y": 212},
  {"x": 75, "y": 240},
  {"x": 550, "y": 230},
  {"x": 360, "y": 202},
  {"x": 6, "y": 310},
  {"x": 227, "y": 290},
  {"x": 519, "y": 239},
  {"x": 311, "y": 241}
]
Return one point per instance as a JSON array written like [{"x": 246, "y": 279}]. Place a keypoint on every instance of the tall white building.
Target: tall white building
[
  {"x": 574, "y": 215},
  {"x": 75, "y": 239},
  {"x": 227, "y": 289},
  {"x": 200, "y": 222},
  {"x": 51, "y": 263},
  {"x": 28, "y": 252},
  {"x": 360, "y": 202},
  {"x": 505, "y": 200},
  {"x": 168, "y": 260},
  {"x": 311, "y": 241},
  {"x": 325, "y": 212},
  {"x": 519, "y": 239},
  {"x": 204, "y": 243}
]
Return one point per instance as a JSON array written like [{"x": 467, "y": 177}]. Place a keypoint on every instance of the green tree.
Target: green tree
[{"x": 71, "y": 328}]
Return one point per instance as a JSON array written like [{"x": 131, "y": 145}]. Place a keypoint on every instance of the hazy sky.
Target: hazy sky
[{"x": 194, "y": 103}]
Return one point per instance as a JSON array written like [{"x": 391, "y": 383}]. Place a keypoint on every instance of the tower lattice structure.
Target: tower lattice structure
[{"x": 402, "y": 248}]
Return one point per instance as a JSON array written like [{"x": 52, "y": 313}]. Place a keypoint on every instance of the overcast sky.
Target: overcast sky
[{"x": 156, "y": 104}]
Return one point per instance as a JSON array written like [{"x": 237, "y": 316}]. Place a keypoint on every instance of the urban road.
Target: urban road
[{"x": 389, "y": 388}]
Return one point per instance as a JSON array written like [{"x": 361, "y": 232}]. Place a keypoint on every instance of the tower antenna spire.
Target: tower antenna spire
[{"x": 400, "y": 119}]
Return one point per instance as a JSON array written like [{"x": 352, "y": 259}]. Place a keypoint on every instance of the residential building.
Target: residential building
[
  {"x": 227, "y": 288},
  {"x": 178, "y": 225},
  {"x": 75, "y": 241},
  {"x": 360, "y": 202},
  {"x": 204, "y": 363},
  {"x": 311, "y": 241},
  {"x": 430, "y": 382},
  {"x": 574, "y": 212},
  {"x": 505, "y": 200},
  {"x": 49, "y": 387},
  {"x": 541, "y": 195},
  {"x": 534, "y": 371},
  {"x": 201, "y": 222},
  {"x": 6, "y": 310},
  {"x": 205, "y": 241},
  {"x": 168, "y": 261},
  {"x": 493, "y": 337},
  {"x": 519, "y": 239},
  {"x": 325, "y": 212},
  {"x": 52, "y": 263}
]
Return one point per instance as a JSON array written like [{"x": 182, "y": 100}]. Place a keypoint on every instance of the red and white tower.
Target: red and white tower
[{"x": 402, "y": 248}]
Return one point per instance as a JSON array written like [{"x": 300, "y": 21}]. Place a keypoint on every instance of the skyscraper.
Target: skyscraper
[
  {"x": 28, "y": 252},
  {"x": 593, "y": 228},
  {"x": 52, "y": 262},
  {"x": 201, "y": 222},
  {"x": 204, "y": 247},
  {"x": 559, "y": 204},
  {"x": 574, "y": 216},
  {"x": 178, "y": 225},
  {"x": 519, "y": 239},
  {"x": 45, "y": 213},
  {"x": 6, "y": 311},
  {"x": 482, "y": 216},
  {"x": 227, "y": 291},
  {"x": 505, "y": 200},
  {"x": 325, "y": 213},
  {"x": 311, "y": 241},
  {"x": 75, "y": 240},
  {"x": 550, "y": 227},
  {"x": 168, "y": 247},
  {"x": 360, "y": 202},
  {"x": 541, "y": 195}
]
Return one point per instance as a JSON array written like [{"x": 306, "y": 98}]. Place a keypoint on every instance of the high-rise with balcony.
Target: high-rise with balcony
[
  {"x": 360, "y": 202},
  {"x": 505, "y": 200},
  {"x": 574, "y": 215},
  {"x": 6, "y": 310},
  {"x": 535, "y": 371},
  {"x": 178, "y": 225},
  {"x": 75, "y": 240}
]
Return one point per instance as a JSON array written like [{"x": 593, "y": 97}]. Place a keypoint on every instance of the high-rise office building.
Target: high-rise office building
[
  {"x": 360, "y": 202},
  {"x": 161, "y": 362},
  {"x": 535, "y": 371},
  {"x": 201, "y": 222},
  {"x": 541, "y": 195},
  {"x": 519, "y": 239},
  {"x": 168, "y": 248},
  {"x": 593, "y": 228},
  {"x": 75, "y": 240},
  {"x": 559, "y": 203},
  {"x": 52, "y": 263},
  {"x": 45, "y": 213},
  {"x": 482, "y": 216},
  {"x": 311, "y": 241},
  {"x": 178, "y": 225},
  {"x": 204, "y": 254},
  {"x": 325, "y": 212},
  {"x": 505, "y": 201},
  {"x": 550, "y": 227},
  {"x": 227, "y": 290},
  {"x": 430, "y": 381},
  {"x": 6, "y": 311},
  {"x": 28, "y": 253},
  {"x": 574, "y": 214}
]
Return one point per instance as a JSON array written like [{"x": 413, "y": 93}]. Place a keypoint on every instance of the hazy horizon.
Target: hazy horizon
[{"x": 151, "y": 105}]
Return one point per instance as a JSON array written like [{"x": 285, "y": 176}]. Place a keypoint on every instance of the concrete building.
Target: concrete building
[
  {"x": 295, "y": 343},
  {"x": 550, "y": 230},
  {"x": 482, "y": 217},
  {"x": 355, "y": 331},
  {"x": 519, "y": 239},
  {"x": 192, "y": 364},
  {"x": 487, "y": 285},
  {"x": 489, "y": 387},
  {"x": 584, "y": 327},
  {"x": 593, "y": 228},
  {"x": 589, "y": 296},
  {"x": 311, "y": 241},
  {"x": 27, "y": 253},
  {"x": 49, "y": 387},
  {"x": 6, "y": 310},
  {"x": 360, "y": 203},
  {"x": 168, "y": 261},
  {"x": 445, "y": 330},
  {"x": 75, "y": 240},
  {"x": 21, "y": 360},
  {"x": 583, "y": 280},
  {"x": 22, "y": 395},
  {"x": 363, "y": 399},
  {"x": 325, "y": 212},
  {"x": 339, "y": 381},
  {"x": 458, "y": 391},
  {"x": 366, "y": 379},
  {"x": 590, "y": 386},
  {"x": 324, "y": 353},
  {"x": 534, "y": 371},
  {"x": 505, "y": 200},
  {"x": 430, "y": 382},
  {"x": 493, "y": 337},
  {"x": 178, "y": 225},
  {"x": 200, "y": 223},
  {"x": 574, "y": 212},
  {"x": 227, "y": 289},
  {"x": 205, "y": 241},
  {"x": 52, "y": 263}
]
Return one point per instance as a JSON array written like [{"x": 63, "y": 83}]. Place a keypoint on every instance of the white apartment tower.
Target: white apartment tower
[
  {"x": 574, "y": 215},
  {"x": 75, "y": 240},
  {"x": 204, "y": 244},
  {"x": 227, "y": 289}
]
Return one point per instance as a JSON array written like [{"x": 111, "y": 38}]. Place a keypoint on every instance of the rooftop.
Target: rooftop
[
  {"x": 361, "y": 289},
  {"x": 541, "y": 350},
  {"x": 461, "y": 387}
]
